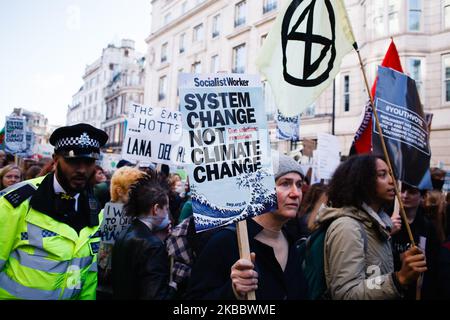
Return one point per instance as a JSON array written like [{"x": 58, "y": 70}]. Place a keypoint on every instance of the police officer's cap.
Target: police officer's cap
[{"x": 78, "y": 141}]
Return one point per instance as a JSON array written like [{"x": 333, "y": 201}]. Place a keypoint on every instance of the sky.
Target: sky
[{"x": 46, "y": 45}]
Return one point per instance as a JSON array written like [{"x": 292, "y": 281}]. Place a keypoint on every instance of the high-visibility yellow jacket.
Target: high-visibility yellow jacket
[{"x": 42, "y": 258}]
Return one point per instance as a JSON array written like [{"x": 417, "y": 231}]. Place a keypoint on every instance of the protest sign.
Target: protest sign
[
  {"x": 109, "y": 161},
  {"x": 30, "y": 139},
  {"x": 446, "y": 187},
  {"x": 230, "y": 167},
  {"x": 15, "y": 137},
  {"x": 153, "y": 135},
  {"x": 288, "y": 128},
  {"x": 43, "y": 150},
  {"x": 403, "y": 125},
  {"x": 114, "y": 221},
  {"x": 328, "y": 155}
]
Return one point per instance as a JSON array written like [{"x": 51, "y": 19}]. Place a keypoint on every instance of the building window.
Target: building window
[
  {"x": 446, "y": 68},
  {"x": 167, "y": 18},
  {"x": 164, "y": 52},
  {"x": 197, "y": 67},
  {"x": 414, "y": 15},
  {"x": 415, "y": 72},
  {"x": 125, "y": 53},
  {"x": 239, "y": 14},
  {"x": 117, "y": 133},
  {"x": 215, "y": 26},
  {"x": 447, "y": 14},
  {"x": 239, "y": 59},
  {"x": 269, "y": 5},
  {"x": 378, "y": 18},
  {"x": 215, "y": 63},
  {"x": 346, "y": 93},
  {"x": 393, "y": 9},
  {"x": 198, "y": 33},
  {"x": 162, "y": 88},
  {"x": 123, "y": 103},
  {"x": 182, "y": 43},
  {"x": 183, "y": 7}
]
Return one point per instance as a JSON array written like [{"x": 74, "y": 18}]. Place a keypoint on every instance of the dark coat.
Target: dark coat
[
  {"x": 421, "y": 227},
  {"x": 444, "y": 271},
  {"x": 140, "y": 265},
  {"x": 210, "y": 277}
]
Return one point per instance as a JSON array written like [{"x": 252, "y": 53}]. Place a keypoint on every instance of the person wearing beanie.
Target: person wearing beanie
[
  {"x": 274, "y": 272},
  {"x": 283, "y": 164}
]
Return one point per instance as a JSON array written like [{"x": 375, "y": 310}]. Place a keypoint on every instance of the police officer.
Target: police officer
[{"x": 49, "y": 225}]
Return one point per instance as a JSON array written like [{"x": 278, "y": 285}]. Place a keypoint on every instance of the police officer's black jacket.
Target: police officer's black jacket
[{"x": 140, "y": 265}]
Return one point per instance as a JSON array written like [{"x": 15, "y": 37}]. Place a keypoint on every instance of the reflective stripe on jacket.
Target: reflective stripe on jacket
[{"x": 44, "y": 259}]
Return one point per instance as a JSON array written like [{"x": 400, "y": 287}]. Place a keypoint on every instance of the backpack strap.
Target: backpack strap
[{"x": 364, "y": 234}]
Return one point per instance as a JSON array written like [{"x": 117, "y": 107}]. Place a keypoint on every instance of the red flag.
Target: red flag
[
  {"x": 362, "y": 142},
  {"x": 2, "y": 136}
]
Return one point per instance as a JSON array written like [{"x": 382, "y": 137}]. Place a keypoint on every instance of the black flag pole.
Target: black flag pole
[{"x": 383, "y": 145}]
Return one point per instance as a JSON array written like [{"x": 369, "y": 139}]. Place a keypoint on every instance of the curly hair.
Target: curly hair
[
  {"x": 147, "y": 191},
  {"x": 354, "y": 182}
]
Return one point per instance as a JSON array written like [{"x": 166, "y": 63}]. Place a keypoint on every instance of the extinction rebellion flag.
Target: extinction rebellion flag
[
  {"x": 403, "y": 125},
  {"x": 303, "y": 51}
]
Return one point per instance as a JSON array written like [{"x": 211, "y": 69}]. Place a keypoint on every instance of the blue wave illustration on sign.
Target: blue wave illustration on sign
[{"x": 208, "y": 216}]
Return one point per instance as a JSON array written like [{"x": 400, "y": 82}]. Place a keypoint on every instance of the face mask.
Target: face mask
[
  {"x": 179, "y": 189},
  {"x": 155, "y": 222}
]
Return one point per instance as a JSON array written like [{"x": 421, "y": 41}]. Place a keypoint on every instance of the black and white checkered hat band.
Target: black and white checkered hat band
[{"x": 83, "y": 141}]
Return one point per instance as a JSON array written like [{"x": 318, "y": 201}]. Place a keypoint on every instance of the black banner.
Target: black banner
[{"x": 403, "y": 124}]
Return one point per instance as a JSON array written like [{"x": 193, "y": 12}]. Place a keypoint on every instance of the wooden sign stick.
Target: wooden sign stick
[{"x": 244, "y": 248}]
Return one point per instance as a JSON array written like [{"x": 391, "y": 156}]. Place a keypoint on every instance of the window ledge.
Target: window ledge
[{"x": 238, "y": 31}]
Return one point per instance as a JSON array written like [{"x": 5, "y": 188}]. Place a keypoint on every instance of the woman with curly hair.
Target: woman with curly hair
[
  {"x": 139, "y": 260},
  {"x": 358, "y": 260}
]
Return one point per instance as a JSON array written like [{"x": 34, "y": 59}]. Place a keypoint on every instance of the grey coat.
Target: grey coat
[{"x": 358, "y": 255}]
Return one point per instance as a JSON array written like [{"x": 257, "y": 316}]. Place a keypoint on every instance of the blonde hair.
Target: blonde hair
[
  {"x": 123, "y": 178},
  {"x": 5, "y": 170}
]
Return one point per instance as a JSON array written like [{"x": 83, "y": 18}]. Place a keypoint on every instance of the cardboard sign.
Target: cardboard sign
[
  {"x": 153, "y": 135},
  {"x": 230, "y": 166}
]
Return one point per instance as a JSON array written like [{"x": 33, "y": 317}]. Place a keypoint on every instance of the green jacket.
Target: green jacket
[{"x": 42, "y": 258}]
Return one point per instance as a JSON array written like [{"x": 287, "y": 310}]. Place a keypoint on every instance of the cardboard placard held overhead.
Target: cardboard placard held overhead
[{"x": 153, "y": 135}]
